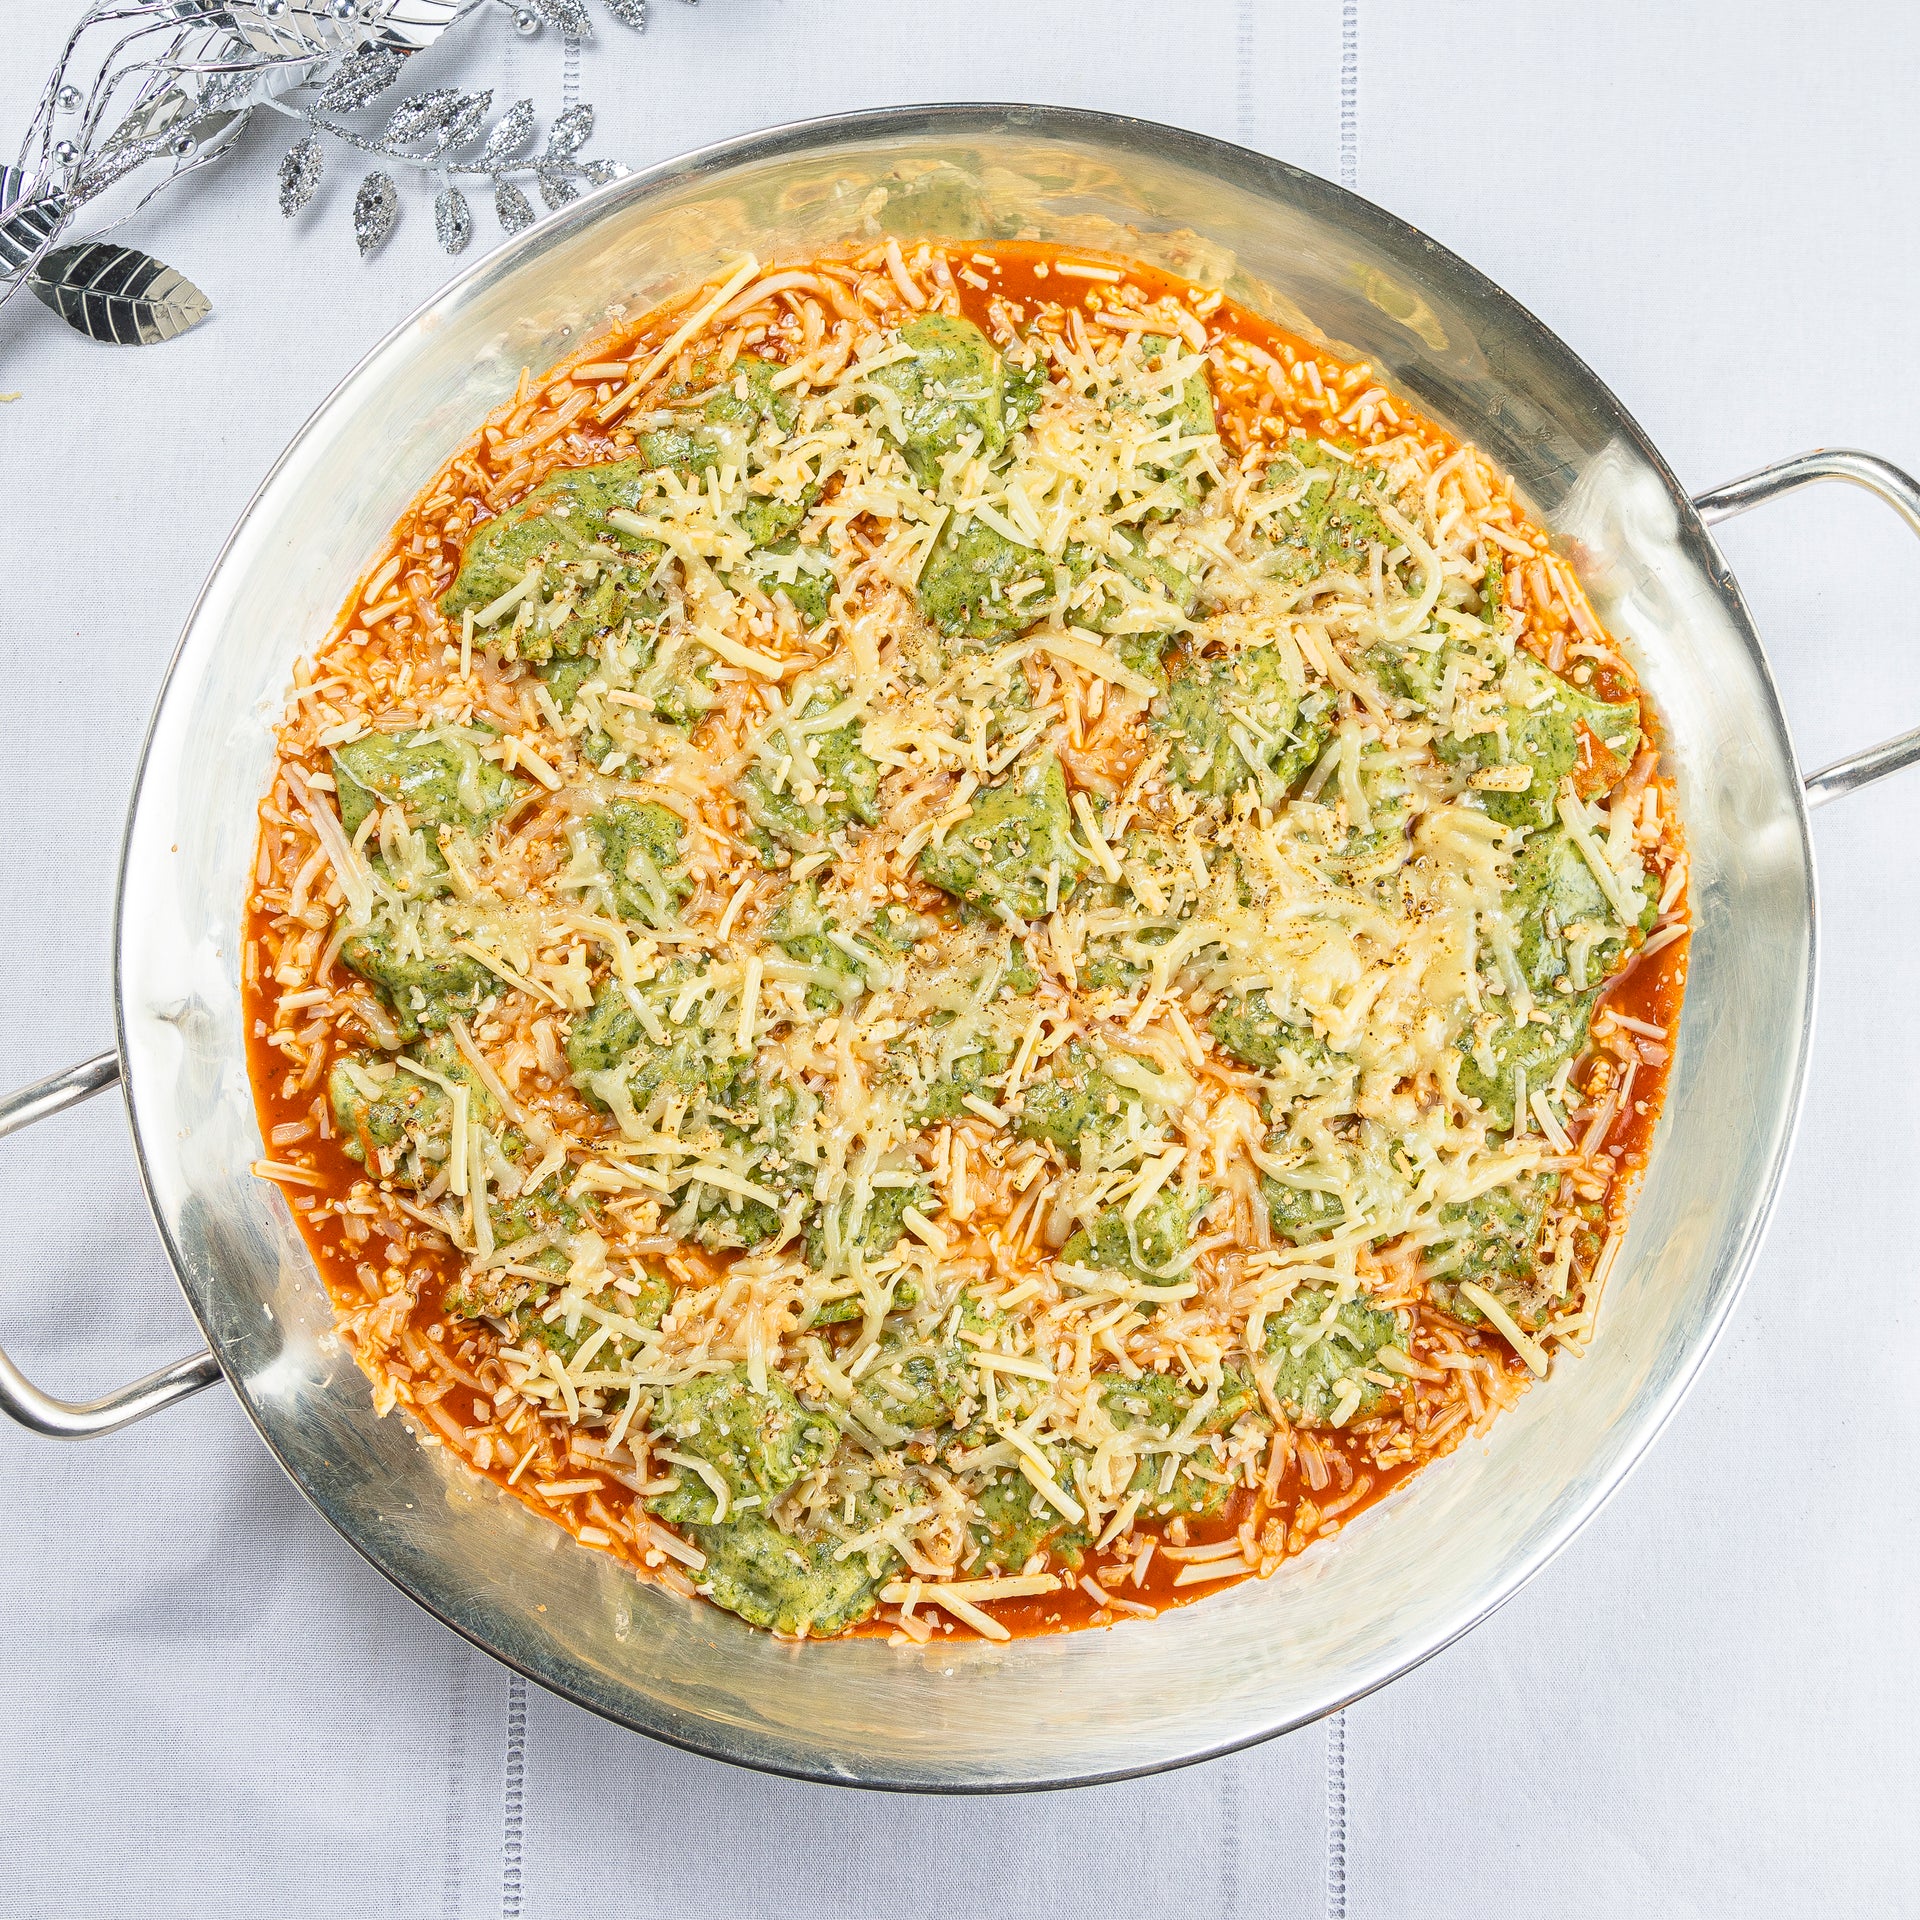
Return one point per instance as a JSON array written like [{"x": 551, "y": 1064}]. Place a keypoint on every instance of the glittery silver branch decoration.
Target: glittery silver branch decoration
[
  {"x": 161, "y": 88},
  {"x": 430, "y": 133}
]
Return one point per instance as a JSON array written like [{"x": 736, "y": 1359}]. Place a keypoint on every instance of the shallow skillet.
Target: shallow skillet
[{"x": 1443, "y": 1551}]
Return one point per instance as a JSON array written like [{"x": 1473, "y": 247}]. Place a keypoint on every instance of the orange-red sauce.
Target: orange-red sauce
[{"x": 388, "y": 1250}]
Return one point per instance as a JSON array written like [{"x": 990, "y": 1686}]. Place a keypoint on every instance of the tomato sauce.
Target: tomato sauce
[{"x": 366, "y": 1246}]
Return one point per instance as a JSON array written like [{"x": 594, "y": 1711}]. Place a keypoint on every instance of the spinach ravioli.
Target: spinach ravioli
[{"x": 958, "y": 942}]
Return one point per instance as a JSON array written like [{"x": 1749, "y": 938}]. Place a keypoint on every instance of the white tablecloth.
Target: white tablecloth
[{"x": 1704, "y": 1706}]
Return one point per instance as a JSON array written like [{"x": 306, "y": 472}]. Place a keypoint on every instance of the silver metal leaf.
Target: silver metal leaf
[
  {"x": 28, "y": 221},
  {"x": 452, "y": 219},
  {"x": 159, "y": 112},
  {"x": 464, "y": 121},
  {"x": 190, "y": 104},
  {"x": 365, "y": 77},
  {"x": 510, "y": 136},
  {"x": 630, "y": 13},
  {"x": 300, "y": 29},
  {"x": 557, "y": 186},
  {"x": 568, "y": 16},
  {"x": 601, "y": 171},
  {"x": 282, "y": 79},
  {"x": 570, "y": 132},
  {"x": 118, "y": 294},
  {"x": 156, "y": 120},
  {"x": 375, "y": 207},
  {"x": 300, "y": 171},
  {"x": 420, "y": 114},
  {"x": 511, "y": 207},
  {"x": 217, "y": 132}
]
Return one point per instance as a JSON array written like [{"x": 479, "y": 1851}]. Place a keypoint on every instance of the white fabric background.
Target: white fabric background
[{"x": 1703, "y": 1707}]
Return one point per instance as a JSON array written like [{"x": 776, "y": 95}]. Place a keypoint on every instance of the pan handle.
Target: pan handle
[
  {"x": 1901, "y": 492},
  {"x": 20, "y": 1399}
]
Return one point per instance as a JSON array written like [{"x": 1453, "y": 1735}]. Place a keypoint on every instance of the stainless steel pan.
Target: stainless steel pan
[{"x": 1421, "y": 1568}]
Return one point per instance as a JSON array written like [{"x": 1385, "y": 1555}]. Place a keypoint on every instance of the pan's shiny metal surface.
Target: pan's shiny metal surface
[
  {"x": 1409, "y": 1576},
  {"x": 1884, "y": 481},
  {"x": 20, "y": 1399}
]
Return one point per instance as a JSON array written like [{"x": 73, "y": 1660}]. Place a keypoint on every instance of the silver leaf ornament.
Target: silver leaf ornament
[
  {"x": 420, "y": 114},
  {"x": 512, "y": 207},
  {"x": 300, "y": 170},
  {"x": 570, "y": 132},
  {"x": 365, "y": 77},
  {"x": 118, "y": 295},
  {"x": 567, "y": 16},
  {"x": 466, "y": 119},
  {"x": 452, "y": 219},
  {"x": 510, "y": 136},
  {"x": 300, "y": 29},
  {"x": 374, "y": 209},
  {"x": 27, "y": 220},
  {"x": 557, "y": 185}
]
